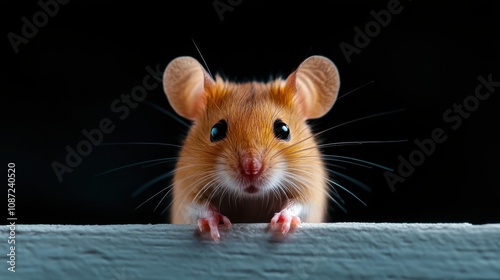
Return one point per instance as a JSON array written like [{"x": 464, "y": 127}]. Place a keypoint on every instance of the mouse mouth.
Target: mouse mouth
[{"x": 251, "y": 189}]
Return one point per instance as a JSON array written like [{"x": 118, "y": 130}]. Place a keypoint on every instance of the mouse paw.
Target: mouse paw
[
  {"x": 211, "y": 224},
  {"x": 288, "y": 221}
]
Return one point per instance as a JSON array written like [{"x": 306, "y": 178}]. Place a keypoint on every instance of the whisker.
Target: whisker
[
  {"x": 208, "y": 175},
  {"x": 360, "y": 160},
  {"x": 334, "y": 190},
  {"x": 142, "y": 143},
  {"x": 205, "y": 188},
  {"x": 302, "y": 150},
  {"x": 203, "y": 151},
  {"x": 162, "y": 190},
  {"x": 360, "y": 143},
  {"x": 163, "y": 198},
  {"x": 337, "y": 126},
  {"x": 157, "y": 163},
  {"x": 339, "y": 204},
  {"x": 159, "y": 178},
  {"x": 345, "y": 94},
  {"x": 338, "y": 166},
  {"x": 166, "y": 112},
  {"x": 171, "y": 188},
  {"x": 152, "y": 182},
  {"x": 346, "y": 190},
  {"x": 335, "y": 199},
  {"x": 292, "y": 178},
  {"x": 326, "y": 145},
  {"x": 327, "y": 161},
  {"x": 349, "y": 178},
  {"x": 215, "y": 104},
  {"x": 345, "y": 161},
  {"x": 223, "y": 193},
  {"x": 204, "y": 62},
  {"x": 327, "y": 193},
  {"x": 216, "y": 186},
  {"x": 360, "y": 119},
  {"x": 161, "y": 160},
  {"x": 283, "y": 189}
]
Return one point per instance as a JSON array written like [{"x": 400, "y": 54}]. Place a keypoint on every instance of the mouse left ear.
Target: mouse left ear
[
  {"x": 185, "y": 83},
  {"x": 316, "y": 85}
]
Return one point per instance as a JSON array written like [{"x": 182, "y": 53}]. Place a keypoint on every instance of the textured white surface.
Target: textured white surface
[{"x": 247, "y": 251}]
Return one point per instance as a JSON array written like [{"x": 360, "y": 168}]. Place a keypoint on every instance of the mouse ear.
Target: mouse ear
[
  {"x": 185, "y": 82},
  {"x": 316, "y": 84}
]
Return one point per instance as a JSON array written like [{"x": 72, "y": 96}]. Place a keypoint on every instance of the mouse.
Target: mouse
[{"x": 250, "y": 155}]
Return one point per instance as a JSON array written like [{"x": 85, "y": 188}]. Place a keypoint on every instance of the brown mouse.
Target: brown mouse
[{"x": 249, "y": 155}]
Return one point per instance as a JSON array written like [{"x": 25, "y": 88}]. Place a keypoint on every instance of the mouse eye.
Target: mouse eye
[
  {"x": 281, "y": 130},
  {"x": 218, "y": 131}
]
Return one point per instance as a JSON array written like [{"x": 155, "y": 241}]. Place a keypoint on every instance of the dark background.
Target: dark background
[{"x": 425, "y": 60}]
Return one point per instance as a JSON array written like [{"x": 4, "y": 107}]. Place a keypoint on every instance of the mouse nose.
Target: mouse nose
[{"x": 251, "y": 164}]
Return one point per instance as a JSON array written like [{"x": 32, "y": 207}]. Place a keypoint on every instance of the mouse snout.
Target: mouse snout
[{"x": 251, "y": 164}]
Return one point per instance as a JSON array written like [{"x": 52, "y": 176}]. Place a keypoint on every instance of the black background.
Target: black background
[{"x": 425, "y": 60}]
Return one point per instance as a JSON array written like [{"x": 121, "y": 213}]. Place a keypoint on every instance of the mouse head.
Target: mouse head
[{"x": 252, "y": 138}]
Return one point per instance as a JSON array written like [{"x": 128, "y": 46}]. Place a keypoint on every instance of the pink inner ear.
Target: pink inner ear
[
  {"x": 306, "y": 95},
  {"x": 208, "y": 82},
  {"x": 298, "y": 87},
  {"x": 196, "y": 101},
  {"x": 315, "y": 83},
  {"x": 185, "y": 83}
]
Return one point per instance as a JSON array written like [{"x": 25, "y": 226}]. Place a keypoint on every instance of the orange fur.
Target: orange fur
[
  {"x": 291, "y": 173},
  {"x": 250, "y": 110}
]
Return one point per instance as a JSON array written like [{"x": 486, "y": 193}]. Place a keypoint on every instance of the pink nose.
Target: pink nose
[{"x": 251, "y": 164}]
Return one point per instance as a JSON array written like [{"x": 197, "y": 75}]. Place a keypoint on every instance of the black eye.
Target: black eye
[
  {"x": 218, "y": 131},
  {"x": 281, "y": 130}
]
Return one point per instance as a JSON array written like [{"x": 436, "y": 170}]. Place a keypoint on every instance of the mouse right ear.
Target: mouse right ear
[
  {"x": 185, "y": 82},
  {"x": 316, "y": 85}
]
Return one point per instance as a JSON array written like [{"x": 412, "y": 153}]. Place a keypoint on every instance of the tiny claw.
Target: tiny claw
[
  {"x": 275, "y": 219},
  {"x": 215, "y": 235},
  {"x": 211, "y": 224},
  {"x": 203, "y": 225},
  {"x": 226, "y": 221},
  {"x": 214, "y": 231},
  {"x": 288, "y": 220}
]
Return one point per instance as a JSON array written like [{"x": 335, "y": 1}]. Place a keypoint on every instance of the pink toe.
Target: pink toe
[
  {"x": 275, "y": 219},
  {"x": 287, "y": 219},
  {"x": 296, "y": 221},
  {"x": 226, "y": 221}
]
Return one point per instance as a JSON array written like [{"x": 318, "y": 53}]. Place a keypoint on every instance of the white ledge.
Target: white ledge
[{"x": 247, "y": 251}]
